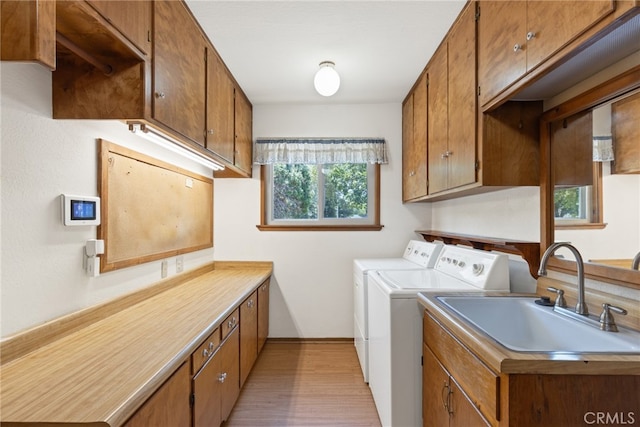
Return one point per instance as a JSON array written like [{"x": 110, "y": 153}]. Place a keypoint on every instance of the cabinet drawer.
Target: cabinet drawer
[
  {"x": 480, "y": 383},
  {"x": 205, "y": 351},
  {"x": 230, "y": 322}
]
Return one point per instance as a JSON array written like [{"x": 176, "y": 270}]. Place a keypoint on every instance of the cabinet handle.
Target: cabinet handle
[
  {"x": 222, "y": 377},
  {"x": 531, "y": 35},
  {"x": 209, "y": 131},
  {"x": 250, "y": 303},
  {"x": 446, "y": 154},
  {"x": 205, "y": 353},
  {"x": 517, "y": 47},
  {"x": 160, "y": 95},
  {"x": 211, "y": 346},
  {"x": 412, "y": 173},
  {"x": 444, "y": 396}
]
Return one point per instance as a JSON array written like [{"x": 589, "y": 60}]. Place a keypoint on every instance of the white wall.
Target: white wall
[
  {"x": 41, "y": 264},
  {"x": 312, "y": 293}
]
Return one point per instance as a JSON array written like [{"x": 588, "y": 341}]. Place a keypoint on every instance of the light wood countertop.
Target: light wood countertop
[
  {"x": 100, "y": 374},
  {"x": 502, "y": 360}
]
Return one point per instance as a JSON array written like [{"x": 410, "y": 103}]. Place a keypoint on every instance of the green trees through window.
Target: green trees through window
[{"x": 308, "y": 192}]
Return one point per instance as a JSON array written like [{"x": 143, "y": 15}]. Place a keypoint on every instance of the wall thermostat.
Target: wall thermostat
[{"x": 80, "y": 210}]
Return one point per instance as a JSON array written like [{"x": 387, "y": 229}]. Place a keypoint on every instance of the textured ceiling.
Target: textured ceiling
[{"x": 273, "y": 48}]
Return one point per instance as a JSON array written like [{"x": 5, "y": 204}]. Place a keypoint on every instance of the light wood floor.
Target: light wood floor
[{"x": 305, "y": 384}]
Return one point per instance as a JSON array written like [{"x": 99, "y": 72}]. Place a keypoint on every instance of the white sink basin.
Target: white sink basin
[{"x": 521, "y": 325}]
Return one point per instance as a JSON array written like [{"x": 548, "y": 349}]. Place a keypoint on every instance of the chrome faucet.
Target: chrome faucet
[
  {"x": 581, "y": 306},
  {"x": 635, "y": 264}
]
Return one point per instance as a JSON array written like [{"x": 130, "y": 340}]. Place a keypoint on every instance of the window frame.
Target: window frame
[{"x": 307, "y": 225}]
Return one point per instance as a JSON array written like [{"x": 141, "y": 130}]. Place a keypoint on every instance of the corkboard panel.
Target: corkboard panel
[{"x": 150, "y": 209}]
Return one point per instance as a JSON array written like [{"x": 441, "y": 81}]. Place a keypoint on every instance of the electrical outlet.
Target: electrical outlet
[
  {"x": 179, "y": 264},
  {"x": 165, "y": 269}
]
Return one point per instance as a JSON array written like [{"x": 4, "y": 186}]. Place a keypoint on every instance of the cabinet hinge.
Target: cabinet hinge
[
  {"x": 479, "y": 90},
  {"x": 149, "y": 36},
  {"x": 477, "y": 165},
  {"x": 477, "y": 12},
  {"x": 192, "y": 399},
  {"x": 421, "y": 360}
]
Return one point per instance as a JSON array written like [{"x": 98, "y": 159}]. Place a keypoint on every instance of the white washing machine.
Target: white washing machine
[
  {"x": 395, "y": 325},
  {"x": 418, "y": 255}
]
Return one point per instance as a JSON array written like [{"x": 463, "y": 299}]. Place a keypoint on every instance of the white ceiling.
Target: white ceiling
[{"x": 273, "y": 48}]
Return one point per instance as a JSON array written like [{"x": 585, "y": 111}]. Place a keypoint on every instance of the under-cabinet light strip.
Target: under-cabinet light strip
[{"x": 166, "y": 141}]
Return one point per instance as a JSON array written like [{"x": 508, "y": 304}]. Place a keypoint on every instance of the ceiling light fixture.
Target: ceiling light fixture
[{"x": 327, "y": 80}]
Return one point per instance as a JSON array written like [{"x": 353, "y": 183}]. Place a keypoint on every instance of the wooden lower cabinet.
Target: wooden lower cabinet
[
  {"x": 263, "y": 314},
  {"x": 229, "y": 373},
  {"x": 248, "y": 335},
  {"x": 460, "y": 390},
  {"x": 169, "y": 405},
  {"x": 443, "y": 401}
]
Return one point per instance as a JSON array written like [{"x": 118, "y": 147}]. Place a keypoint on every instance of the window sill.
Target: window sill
[
  {"x": 586, "y": 226},
  {"x": 373, "y": 227}
]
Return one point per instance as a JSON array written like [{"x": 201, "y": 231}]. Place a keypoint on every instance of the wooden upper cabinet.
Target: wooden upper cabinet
[
  {"x": 131, "y": 17},
  {"x": 552, "y": 24},
  {"x": 28, "y": 31},
  {"x": 243, "y": 133},
  {"x": 220, "y": 108},
  {"x": 462, "y": 101},
  {"x": 438, "y": 121},
  {"x": 514, "y": 38},
  {"x": 452, "y": 107},
  {"x": 414, "y": 142},
  {"x": 502, "y": 29},
  {"x": 179, "y": 70},
  {"x": 625, "y": 116}
]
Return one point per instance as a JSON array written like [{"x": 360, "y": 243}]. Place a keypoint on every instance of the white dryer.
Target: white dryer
[
  {"x": 395, "y": 325},
  {"x": 418, "y": 255}
]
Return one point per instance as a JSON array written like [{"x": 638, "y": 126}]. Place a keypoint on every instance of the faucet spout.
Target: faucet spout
[
  {"x": 635, "y": 264},
  {"x": 581, "y": 306}
]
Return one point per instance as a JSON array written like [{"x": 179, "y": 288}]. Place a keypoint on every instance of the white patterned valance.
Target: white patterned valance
[
  {"x": 319, "y": 150},
  {"x": 602, "y": 149}
]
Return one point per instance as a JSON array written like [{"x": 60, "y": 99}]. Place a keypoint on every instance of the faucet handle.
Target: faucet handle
[
  {"x": 607, "y": 322},
  {"x": 560, "y": 301}
]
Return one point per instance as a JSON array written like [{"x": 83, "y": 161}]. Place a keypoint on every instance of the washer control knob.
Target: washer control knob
[
  {"x": 477, "y": 269},
  {"x": 461, "y": 264}
]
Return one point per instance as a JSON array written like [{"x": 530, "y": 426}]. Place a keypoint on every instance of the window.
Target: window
[
  {"x": 339, "y": 193},
  {"x": 579, "y": 206}
]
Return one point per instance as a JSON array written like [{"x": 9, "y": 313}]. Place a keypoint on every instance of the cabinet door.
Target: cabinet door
[
  {"x": 206, "y": 393},
  {"x": 243, "y": 129},
  {"x": 435, "y": 391},
  {"x": 169, "y": 405},
  {"x": 462, "y": 115},
  {"x": 29, "y": 31},
  {"x": 179, "y": 70},
  {"x": 625, "y": 116},
  {"x": 263, "y": 315},
  {"x": 414, "y": 142},
  {"x": 572, "y": 158},
  {"x": 248, "y": 335},
  {"x": 437, "y": 118},
  {"x": 220, "y": 108},
  {"x": 463, "y": 411},
  {"x": 408, "y": 170},
  {"x": 131, "y": 17},
  {"x": 501, "y": 29},
  {"x": 553, "y": 24},
  {"x": 229, "y": 373}
]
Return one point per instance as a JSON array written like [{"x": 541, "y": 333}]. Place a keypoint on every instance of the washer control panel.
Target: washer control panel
[
  {"x": 425, "y": 254},
  {"x": 484, "y": 270}
]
